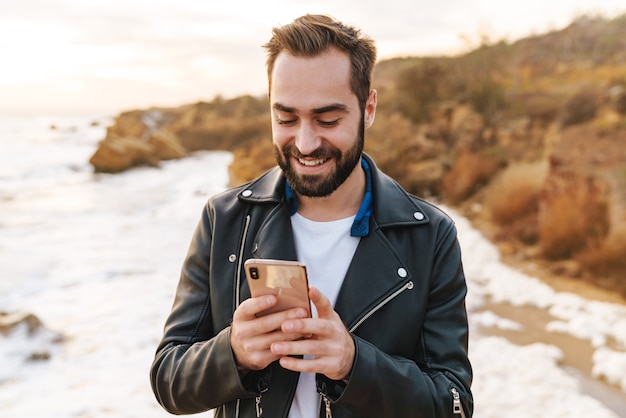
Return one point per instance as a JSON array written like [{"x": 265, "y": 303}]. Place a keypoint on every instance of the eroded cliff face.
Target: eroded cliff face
[
  {"x": 145, "y": 137},
  {"x": 137, "y": 138},
  {"x": 577, "y": 211}
]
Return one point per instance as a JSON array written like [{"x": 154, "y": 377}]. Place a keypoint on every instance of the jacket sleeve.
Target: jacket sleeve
[
  {"x": 194, "y": 368},
  {"x": 381, "y": 385}
]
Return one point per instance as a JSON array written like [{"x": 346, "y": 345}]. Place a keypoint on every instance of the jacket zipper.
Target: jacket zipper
[
  {"x": 257, "y": 400},
  {"x": 324, "y": 401},
  {"x": 257, "y": 406},
  {"x": 407, "y": 286},
  {"x": 457, "y": 408},
  {"x": 238, "y": 294},
  {"x": 240, "y": 261}
]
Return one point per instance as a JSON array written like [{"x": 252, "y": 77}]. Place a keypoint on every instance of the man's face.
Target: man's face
[{"x": 317, "y": 125}]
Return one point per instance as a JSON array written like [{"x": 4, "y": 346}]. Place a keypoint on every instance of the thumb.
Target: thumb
[{"x": 322, "y": 304}]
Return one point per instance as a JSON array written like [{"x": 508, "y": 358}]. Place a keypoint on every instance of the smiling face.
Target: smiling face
[{"x": 317, "y": 123}]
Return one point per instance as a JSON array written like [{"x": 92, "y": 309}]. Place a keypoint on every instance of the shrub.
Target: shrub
[
  {"x": 487, "y": 98},
  {"x": 419, "y": 89},
  {"x": 606, "y": 256},
  {"x": 572, "y": 215},
  {"x": 469, "y": 171},
  {"x": 581, "y": 107},
  {"x": 250, "y": 162},
  {"x": 620, "y": 103},
  {"x": 541, "y": 107},
  {"x": 515, "y": 192}
]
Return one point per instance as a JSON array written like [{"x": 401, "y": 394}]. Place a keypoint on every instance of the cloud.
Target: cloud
[{"x": 144, "y": 49}]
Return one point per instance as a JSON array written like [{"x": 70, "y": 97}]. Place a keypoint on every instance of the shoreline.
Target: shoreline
[{"x": 576, "y": 353}]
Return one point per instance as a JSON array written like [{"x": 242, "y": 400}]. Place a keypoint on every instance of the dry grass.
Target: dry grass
[
  {"x": 468, "y": 173},
  {"x": 606, "y": 261},
  {"x": 607, "y": 256},
  {"x": 248, "y": 163},
  {"x": 571, "y": 218},
  {"x": 515, "y": 192},
  {"x": 562, "y": 231}
]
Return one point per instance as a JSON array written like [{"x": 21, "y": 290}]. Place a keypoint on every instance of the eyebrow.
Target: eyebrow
[{"x": 335, "y": 107}]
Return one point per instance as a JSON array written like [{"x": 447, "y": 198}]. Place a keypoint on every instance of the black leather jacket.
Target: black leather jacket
[{"x": 403, "y": 300}]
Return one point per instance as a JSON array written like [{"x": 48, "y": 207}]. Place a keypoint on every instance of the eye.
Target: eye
[
  {"x": 328, "y": 124},
  {"x": 286, "y": 122}
]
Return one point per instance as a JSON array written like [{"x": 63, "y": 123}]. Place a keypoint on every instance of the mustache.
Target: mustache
[{"x": 319, "y": 153}]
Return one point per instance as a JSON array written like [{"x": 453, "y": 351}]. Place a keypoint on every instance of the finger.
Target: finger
[
  {"x": 265, "y": 325},
  {"x": 296, "y": 329},
  {"x": 249, "y": 308},
  {"x": 327, "y": 365},
  {"x": 300, "y": 365},
  {"x": 321, "y": 302},
  {"x": 263, "y": 342},
  {"x": 251, "y": 343},
  {"x": 301, "y": 347},
  {"x": 319, "y": 357}
]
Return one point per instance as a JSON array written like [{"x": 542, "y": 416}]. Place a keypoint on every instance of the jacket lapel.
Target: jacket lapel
[
  {"x": 374, "y": 271},
  {"x": 274, "y": 238},
  {"x": 372, "y": 276}
]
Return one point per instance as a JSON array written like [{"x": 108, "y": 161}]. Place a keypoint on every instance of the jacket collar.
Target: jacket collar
[
  {"x": 377, "y": 270},
  {"x": 361, "y": 224},
  {"x": 391, "y": 206}
]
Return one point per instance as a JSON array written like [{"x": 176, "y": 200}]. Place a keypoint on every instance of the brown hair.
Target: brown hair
[{"x": 311, "y": 35}]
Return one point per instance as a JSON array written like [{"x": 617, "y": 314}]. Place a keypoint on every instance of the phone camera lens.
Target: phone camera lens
[{"x": 254, "y": 273}]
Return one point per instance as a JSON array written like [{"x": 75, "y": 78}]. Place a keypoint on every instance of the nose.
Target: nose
[{"x": 307, "y": 139}]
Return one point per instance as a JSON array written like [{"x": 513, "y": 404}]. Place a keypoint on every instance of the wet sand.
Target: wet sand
[{"x": 577, "y": 353}]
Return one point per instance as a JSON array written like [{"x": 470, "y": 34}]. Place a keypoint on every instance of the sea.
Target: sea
[{"x": 96, "y": 259}]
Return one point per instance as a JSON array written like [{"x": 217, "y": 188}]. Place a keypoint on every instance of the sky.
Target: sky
[{"x": 76, "y": 56}]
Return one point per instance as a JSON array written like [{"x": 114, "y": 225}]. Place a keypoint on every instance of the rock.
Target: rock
[
  {"x": 39, "y": 356},
  {"x": 28, "y": 338},
  {"x": 8, "y": 322},
  {"x": 166, "y": 146},
  {"x": 128, "y": 125},
  {"x": 115, "y": 155}
]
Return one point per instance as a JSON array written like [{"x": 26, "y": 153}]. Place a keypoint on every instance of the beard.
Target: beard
[{"x": 318, "y": 185}]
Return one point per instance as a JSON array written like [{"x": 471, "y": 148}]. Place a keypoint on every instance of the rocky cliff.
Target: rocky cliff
[{"x": 528, "y": 139}]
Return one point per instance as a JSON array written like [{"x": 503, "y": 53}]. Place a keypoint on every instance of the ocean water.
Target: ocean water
[{"x": 96, "y": 257}]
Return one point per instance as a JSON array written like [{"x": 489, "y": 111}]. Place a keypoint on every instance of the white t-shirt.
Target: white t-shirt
[{"x": 327, "y": 249}]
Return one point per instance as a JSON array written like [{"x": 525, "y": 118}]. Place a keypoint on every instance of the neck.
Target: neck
[{"x": 342, "y": 203}]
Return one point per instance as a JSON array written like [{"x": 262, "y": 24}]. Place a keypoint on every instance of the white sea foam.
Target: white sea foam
[{"x": 97, "y": 258}]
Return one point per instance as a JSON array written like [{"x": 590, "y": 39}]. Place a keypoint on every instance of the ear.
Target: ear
[{"x": 370, "y": 108}]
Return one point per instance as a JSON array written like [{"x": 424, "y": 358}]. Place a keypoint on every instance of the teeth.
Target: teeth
[{"x": 311, "y": 163}]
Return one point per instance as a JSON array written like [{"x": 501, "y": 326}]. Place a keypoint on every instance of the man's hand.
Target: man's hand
[
  {"x": 251, "y": 337},
  {"x": 330, "y": 342}
]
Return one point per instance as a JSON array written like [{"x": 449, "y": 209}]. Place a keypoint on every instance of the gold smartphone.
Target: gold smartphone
[{"x": 285, "y": 279}]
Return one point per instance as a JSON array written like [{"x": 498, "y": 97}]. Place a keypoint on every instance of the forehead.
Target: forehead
[{"x": 310, "y": 82}]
